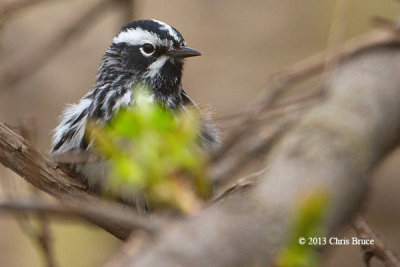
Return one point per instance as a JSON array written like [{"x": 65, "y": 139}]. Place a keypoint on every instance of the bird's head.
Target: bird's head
[{"x": 149, "y": 51}]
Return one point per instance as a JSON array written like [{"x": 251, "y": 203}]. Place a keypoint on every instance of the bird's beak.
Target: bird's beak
[{"x": 183, "y": 52}]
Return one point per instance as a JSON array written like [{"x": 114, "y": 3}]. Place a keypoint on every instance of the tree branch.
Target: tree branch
[
  {"x": 18, "y": 154},
  {"x": 79, "y": 210},
  {"x": 322, "y": 151},
  {"x": 282, "y": 80},
  {"x": 379, "y": 249},
  {"x": 331, "y": 150}
]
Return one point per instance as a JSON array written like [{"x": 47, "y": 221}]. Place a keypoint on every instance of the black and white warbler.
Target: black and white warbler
[{"x": 144, "y": 51}]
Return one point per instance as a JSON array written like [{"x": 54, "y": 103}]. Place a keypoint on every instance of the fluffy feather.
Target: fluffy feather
[{"x": 123, "y": 65}]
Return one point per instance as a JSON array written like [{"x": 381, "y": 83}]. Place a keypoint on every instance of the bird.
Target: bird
[{"x": 144, "y": 51}]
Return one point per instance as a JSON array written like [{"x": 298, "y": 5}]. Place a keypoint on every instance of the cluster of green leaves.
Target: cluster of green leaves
[
  {"x": 154, "y": 152},
  {"x": 308, "y": 223}
]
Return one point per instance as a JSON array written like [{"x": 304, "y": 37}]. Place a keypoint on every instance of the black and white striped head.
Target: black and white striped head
[
  {"x": 150, "y": 51},
  {"x": 144, "y": 51}
]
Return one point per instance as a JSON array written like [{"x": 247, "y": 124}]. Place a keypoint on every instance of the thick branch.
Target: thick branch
[
  {"x": 331, "y": 150},
  {"x": 18, "y": 154},
  {"x": 324, "y": 151}
]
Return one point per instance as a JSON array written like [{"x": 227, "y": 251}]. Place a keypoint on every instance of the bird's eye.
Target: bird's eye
[{"x": 148, "y": 48}]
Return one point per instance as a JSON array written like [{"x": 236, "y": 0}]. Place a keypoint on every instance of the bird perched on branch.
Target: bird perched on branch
[{"x": 144, "y": 51}]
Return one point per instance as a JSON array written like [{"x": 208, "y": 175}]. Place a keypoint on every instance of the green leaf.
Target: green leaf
[
  {"x": 153, "y": 150},
  {"x": 308, "y": 223}
]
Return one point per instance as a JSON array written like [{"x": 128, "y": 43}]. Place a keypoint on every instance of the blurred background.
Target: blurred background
[{"x": 242, "y": 42}]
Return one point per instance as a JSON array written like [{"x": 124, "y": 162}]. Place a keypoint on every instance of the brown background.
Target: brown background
[{"x": 242, "y": 43}]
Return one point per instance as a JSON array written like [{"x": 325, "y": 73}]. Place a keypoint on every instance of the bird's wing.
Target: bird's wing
[{"x": 69, "y": 134}]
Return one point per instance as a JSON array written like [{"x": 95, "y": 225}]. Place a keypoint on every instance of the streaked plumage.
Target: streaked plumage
[{"x": 147, "y": 51}]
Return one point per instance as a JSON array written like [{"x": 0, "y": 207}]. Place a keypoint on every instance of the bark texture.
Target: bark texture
[{"x": 332, "y": 150}]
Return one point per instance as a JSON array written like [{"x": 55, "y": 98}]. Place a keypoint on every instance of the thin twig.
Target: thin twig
[
  {"x": 41, "y": 236},
  {"x": 304, "y": 69},
  {"x": 224, "y": 172},
  {"x": 26, "y": 66},
  {"x": 379, "y": 249},
  {"x": 266, "y": 131},
  {"x": 276, "y": 111},
  {"x": 73, "y": 208},
  {"x": 240, "y": 185},
  {"x": 315, "y": 64},
  {"x": 277, "y": 88},
  {"x": 45, "y": 238}
]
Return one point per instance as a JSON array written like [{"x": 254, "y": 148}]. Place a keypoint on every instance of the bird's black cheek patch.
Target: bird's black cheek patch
[{"x": 135, "y": 61}]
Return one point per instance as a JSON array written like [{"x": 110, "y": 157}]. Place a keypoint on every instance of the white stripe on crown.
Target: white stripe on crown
[
  {"x": 166, "y": 27},
  {"x": 139, "y": 36}
]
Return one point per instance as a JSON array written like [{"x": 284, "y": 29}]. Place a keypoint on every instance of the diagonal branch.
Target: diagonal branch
[
  {"x": 379, "y": 249},
  {"x": 332, "y": 149},
  {"x": 300, "y": 71},
  {"x": 321, "y": 151},
  {"x": 18, "y": 154}
]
